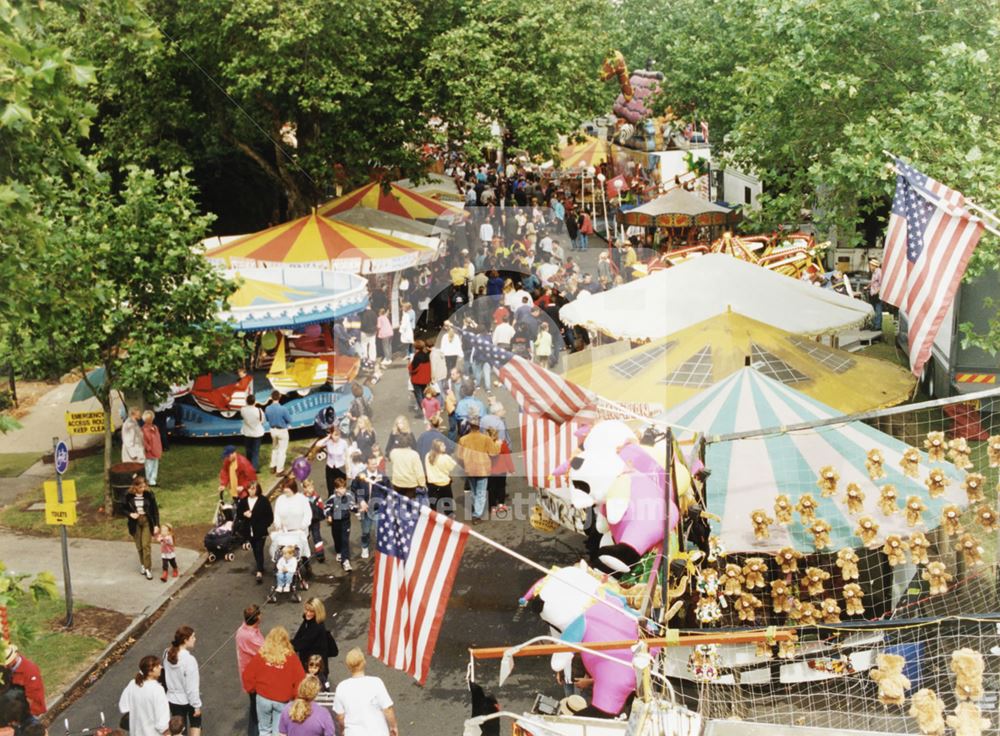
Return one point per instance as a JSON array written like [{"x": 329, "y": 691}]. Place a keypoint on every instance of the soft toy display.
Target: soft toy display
[
  {"x": 888, "y": 500},
  {"x": 761, "y": 523},
  {"x": 968, "y": 720},
  {"x": 566, "y": 599},
  {"x": 892, "y": 683},
  {"x": 781, "y": 596},
  {"x": 855, "y": 498},
  {"x": 987, "y": 518},
  {"x": 830, "y": 610},
  {"x": 951, "y": 520},
  {"x": 972, "y": 551},
  {"x": 928, "y": 710},
  {"x": 783, "y": 509},
  {"x": 867, "y": 530},
  {"x": 938, "y": 576},
  {"x": 806, "y": 508},
  {"x": 827, "y": 482},
  {"x": 875, "y": 464},
  {"x": 910, "y": 462},
  {"x": 968, "y": 665},
  {"x": 895, "y": 550},
  {"x": 821, "y": 534},
  {"x": 788, "y": 559},
  {"x": 847, "y": 561},
  {"x": 958, "y": 453},
  {"x": 803, "y": 613},
  {"x": 919, "y": 544},
  {"x": 732, "y": 580},
  {"x": 746, "y": 607},
  {"x": 754, "y": 569},
  {"x": 935, "y": 445},
  {"x": 974, "y": 487},
  {"x": 703, "y": 662},
  {"x": 915, "y": 508},
  {"x": 813, "y": 580},
  {"x": 618, "y": 476},
  {"x": 853, "y": 596},
  {"x": 993, "y": 451},
  {"x": 936, "y": 482},
  {"x": 707, "y": 610}
]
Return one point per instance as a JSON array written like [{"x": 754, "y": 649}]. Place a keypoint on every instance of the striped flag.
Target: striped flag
[
  {"x": 930, "y": 239},
  {"x": 547, "y": 445},
  {"x": 417, "y": 552}
]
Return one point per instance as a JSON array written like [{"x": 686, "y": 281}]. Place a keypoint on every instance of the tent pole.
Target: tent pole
[{"x": 667, "y": 492}]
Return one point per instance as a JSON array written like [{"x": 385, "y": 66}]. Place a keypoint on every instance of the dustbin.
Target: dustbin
[{"x": 122, "y": 476}]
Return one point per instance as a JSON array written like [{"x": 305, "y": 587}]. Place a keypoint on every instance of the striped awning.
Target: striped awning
[
  {"x": 395, "y": 200},
  {"x": 320, "y": 242},
  {"x": 748, "y": 474},
  {"x": 589, "y": 154}
]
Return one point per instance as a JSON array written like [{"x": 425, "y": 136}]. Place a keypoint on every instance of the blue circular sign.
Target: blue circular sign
[{"x": 62, "y": 457}]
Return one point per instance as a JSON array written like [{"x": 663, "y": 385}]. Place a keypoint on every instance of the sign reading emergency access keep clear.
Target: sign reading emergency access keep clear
[
  {"x": 85, "y": 422},
  {"x": 60, "y": 513}
]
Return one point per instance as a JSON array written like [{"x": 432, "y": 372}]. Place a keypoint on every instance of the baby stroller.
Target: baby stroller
[
  {"x": 224, "y": 537},
  {"x": 298, "y": 582}
]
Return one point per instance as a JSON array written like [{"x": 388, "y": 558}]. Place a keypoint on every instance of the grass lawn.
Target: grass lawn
[
  {"x": 12, "y": 464},
  {"x": 60, "y": 655},
  {"x": 186, "y": 493}
]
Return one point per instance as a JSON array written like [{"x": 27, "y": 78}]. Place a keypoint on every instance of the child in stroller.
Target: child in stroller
[
  {"x": 224, "y": 537},
  {"x": 289, "y": 563}
]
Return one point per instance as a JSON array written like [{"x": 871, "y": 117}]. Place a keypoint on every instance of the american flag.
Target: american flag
[
  {"x": 930, "y": 239},
  {"x": 417, "y": 552}
]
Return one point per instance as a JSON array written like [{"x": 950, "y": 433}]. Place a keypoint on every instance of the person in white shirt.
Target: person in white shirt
[
  {"x": 486, "y": 233},
  {"x": 336, "y": 448},
  {"x": 546, "y": 271},
  {"x": 292, "y": 518},
  {"x": 361, "y": 704},
  {"x": 145, "y": 702},
  {"x": 252, "y": 430},
  {"x": 132, "y": 447},
  {"x": 180, "y": 671},
  {"x": 503, "y": 333},
  {"x": 451, "y": 347}
]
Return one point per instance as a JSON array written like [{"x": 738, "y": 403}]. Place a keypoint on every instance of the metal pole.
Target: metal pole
[
  {"x": 65, "y": 545},
  {"x": 668, "y": 493}
]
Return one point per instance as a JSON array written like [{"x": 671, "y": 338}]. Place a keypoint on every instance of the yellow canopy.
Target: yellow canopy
[
  {"x": 589, "y": 154},
  {"x": 671, "y": 369}
]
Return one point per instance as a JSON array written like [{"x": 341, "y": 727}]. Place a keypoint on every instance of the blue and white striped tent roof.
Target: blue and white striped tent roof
[{"x": 748, "y": 474}]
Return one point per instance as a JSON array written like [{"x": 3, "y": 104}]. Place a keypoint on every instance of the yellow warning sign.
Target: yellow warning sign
[
  {"x": 85, "y": 422},
  {"x": 60, "y": 513}
]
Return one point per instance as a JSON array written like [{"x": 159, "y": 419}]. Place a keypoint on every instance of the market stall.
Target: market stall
[{"x": 681, "y": 218}]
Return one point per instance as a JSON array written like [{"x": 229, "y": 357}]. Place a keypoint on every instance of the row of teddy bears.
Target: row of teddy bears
[{"x": 925, "y": 705}]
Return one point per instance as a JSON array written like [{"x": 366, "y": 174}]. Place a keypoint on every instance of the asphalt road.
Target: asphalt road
[{"x": 482, "y": 612}]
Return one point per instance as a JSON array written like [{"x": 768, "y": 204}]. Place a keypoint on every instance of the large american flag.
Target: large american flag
[
  {"x": 417, "y": 552},
  {"x": 930, "y": 239}
]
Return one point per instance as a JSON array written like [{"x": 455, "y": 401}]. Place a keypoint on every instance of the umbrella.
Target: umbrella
[
  {"x": 82, "y": 391},
  {"x": 587, "y": 155},
  {"x": 323, "y": 243},
  {"x": 396, "y": 201},
  {"x": 748, "y": 474},
  {"x": 674, "y": 368}
]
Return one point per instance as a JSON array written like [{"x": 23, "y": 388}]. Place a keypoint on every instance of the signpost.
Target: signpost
[{"x": 62, "y": 512}]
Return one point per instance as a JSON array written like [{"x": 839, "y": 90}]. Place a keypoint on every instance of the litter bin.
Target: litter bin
[{"x": 122, "y": 475}]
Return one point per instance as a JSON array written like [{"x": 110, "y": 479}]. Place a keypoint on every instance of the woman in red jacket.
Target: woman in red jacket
[
  {"x": 420, "y": 372},
  {"x": 274, "y": 675}
]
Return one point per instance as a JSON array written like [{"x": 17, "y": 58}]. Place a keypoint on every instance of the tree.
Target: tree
[
  {"x": 531, "y": 67},
  {"x": 124, "y": 287}
]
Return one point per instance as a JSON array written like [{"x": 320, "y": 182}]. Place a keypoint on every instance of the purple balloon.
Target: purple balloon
[{"x": 301, "y": 469}]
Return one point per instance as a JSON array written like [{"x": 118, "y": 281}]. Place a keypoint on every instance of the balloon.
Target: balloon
[
  {"x": 301, "y": 469},
  {"x": 269, "y": 341}
]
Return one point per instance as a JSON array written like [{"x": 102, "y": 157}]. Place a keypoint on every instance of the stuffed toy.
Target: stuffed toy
[
  {"x": 951, "y": 520},
  {"x": 806, "y": 508},
  {"x": 936, "y": 482},
  {"x": 763, "y": 650},
  {"x": 867, "y": 530},
  {"x": 716, "y": 549},
  {"x": 788, "y": 558},
  {"x": 753, "y": 573},
  {"x": 928, "y": 709},
  {"x": 968, "y": 666},
  {"x": 708, "y": 610},
  {"x": 875, "y": 464},
  {"x": 821, "y": 534},
  {"x": 732, "y": 580},
  {"x": 853, "y": 595},
  {"x": 781, "y": 596},
  {"x": 968, "y": 720},
  {"x": 892, "y": 683},
  {"x": 887, "y": 501},
  {"x": 895, "y": 550},
  {"x": 974, "y": 487},
  {"x": 830, "y": 611},
  {"x": 987, "y": 518},
  {"x": 786, "y": 648},
  {"x": 783, "y": 509},
  {"x": 827, "y": 482},
  {"x": 958, "y": 452},
  {"x": 915, "y": 508},
  {"x": 919, "y": 544},
  {"x": 746, "y": 607},
  {"x": 910, "y": 462},
  {"x": 993, "y": 451},
  {"x": 703, "y": 662},
  {"x": 855, "y": 498},
  {"x": 847, "y": 561},
  {"x": 938, "y": 576},
  {"x": 972, "y": 551},
  {"x": 935, "y": 445},
  {"x": 761, "y": 524},
  {"x": 813, "y": 580},
  {"x": 803, "y": 613}
]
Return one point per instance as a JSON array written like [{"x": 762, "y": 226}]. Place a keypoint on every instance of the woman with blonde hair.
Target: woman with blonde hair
[
  {"x": 274, "y": 674},
  {"x": 439, "y": 465},
  {"x": 400, "y": 429},
  {"x": 313, "y": 637},
  {"x": 299, "y": 718}
]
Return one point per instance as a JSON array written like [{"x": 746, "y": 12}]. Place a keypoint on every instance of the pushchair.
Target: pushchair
[
  {"x": 298, "y": 582},
  {"x": 224, "y": 537}
]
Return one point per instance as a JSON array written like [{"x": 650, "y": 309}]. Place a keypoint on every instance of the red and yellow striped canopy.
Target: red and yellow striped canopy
[
  {"x": 589, "y": 154},
  {"x": 315, "y": 240},
  {"x": 396, "y": 201}
]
